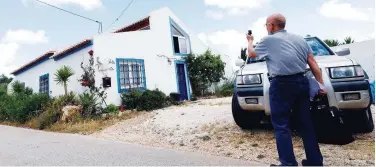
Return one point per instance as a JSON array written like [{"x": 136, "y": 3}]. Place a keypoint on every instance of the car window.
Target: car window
[{"x": 317, "y": 47}]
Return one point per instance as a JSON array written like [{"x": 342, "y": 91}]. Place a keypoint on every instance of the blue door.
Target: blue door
[{"x": 182, "y": 82}]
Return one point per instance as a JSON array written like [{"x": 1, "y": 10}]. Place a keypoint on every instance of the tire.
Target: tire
[
  {"x": 364, "y": 122},
  {"x": 245, "y": 119}
]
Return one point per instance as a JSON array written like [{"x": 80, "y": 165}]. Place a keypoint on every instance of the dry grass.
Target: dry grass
[{"x": 87, "y": 127}]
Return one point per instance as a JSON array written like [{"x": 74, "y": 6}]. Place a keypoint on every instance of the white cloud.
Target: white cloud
[
  {"x": 237, "y": 12},
  {"x": 230, "y": 41},
  {"x": 216, "y": 15},
  {"x": 227, "y": 4},
  {"x": 345, "y": 11},
  {"x": 25, "y": 37},
  {"x": 11, "y": 43},
  {"x": 8, "y": 52},
  {"x": 86, "y": 4},
  {"x": 203, "y": 37},
  {"x": 258, "y": 29},
  {"x": 237, "y": 7}
]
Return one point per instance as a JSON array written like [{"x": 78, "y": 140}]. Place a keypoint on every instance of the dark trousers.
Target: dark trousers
[{"x": 290, "y": 95}]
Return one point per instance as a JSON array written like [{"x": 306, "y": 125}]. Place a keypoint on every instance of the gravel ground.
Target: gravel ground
[{"x": 207, "y": 126}]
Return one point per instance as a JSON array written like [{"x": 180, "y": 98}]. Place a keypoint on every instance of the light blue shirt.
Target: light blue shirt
[{"x": 285, "y": 53}]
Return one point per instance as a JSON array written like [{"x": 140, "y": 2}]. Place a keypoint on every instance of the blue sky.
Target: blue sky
[{"x": 29, "y": 29}]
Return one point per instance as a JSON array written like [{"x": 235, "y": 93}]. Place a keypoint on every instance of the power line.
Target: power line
[
  {"x": 99, "y": 23},
  {"x": 119, "y": 15}
]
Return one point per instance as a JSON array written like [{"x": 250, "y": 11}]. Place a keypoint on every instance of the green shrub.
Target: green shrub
[
  {"x": 90, "y": 105},
  {"x": 19, "y": 88},
  {"x": 28, "y": 91},
  {"x": 69, "y": 99},
  {"x": 21, "y": 107},
  {"x": 111, "y": 109},
  {"x": 226, "y": 89},
  {"x": 52, "y": 113},
  {"x": 151, "y": 100},
  {"x": 3, "y": 89},
  {"x": 36, "y": 103},
  {"x": 130, "y": 99}
]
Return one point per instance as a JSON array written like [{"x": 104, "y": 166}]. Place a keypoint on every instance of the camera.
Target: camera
[{"x": 249, "y": 32}]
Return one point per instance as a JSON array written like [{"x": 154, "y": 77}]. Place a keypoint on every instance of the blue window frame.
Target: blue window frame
[
  {"x": 44, "y": 84},
  {"x": 181, "y": 43},
  {"x": 130, "y": 74}
]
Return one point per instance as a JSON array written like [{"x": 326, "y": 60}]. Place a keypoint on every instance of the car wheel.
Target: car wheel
[
  {"x": 245, "y": 119},
  {"x": 361, "y": 120},
  {"x": 366, "y": 124}
]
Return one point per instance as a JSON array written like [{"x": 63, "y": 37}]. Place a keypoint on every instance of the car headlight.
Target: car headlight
[
  {"x": 248, "y": 79},
  {"x": 346, "y": 72}
]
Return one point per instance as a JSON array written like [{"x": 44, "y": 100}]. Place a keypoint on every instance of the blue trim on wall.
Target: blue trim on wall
[
  {"x": 173, "y": 23},
  {"x": 141, "y": 61},
  {"x": 28, "y": 68},
  {"x": 48, "y": 79},
  {"x": 188, "y": 84},
  {"x": 74, "y": 51}
]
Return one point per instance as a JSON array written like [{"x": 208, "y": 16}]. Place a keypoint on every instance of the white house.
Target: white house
[{"x": 147, "y": 54}]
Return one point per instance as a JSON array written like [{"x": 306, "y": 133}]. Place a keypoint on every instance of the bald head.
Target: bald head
[{"x": 277, "y": 19}]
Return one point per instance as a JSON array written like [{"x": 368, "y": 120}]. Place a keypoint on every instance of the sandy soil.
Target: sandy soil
[{"x": 207, "y": 126}]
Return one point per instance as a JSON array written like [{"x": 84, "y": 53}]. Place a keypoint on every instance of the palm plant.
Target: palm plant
[
  {"x": 62, "y": 77},
  {"x": 332, "y": 42},
  {"x": 348, "y": 40}
]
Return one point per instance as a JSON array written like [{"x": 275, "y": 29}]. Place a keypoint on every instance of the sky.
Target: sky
[{"x": 29, "y": 29}]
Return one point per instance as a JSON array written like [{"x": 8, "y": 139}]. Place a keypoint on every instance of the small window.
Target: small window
[
  {"x": 44, "y": 84},
  {"x": 131, "y": 74},
  {"x": 180, "y": 42}
]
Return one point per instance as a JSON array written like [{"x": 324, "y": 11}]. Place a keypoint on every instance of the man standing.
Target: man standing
[{"x": 287, "y": 56}]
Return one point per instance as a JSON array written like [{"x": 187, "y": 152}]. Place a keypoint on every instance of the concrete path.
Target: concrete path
[{"x": 29, "y": 147}]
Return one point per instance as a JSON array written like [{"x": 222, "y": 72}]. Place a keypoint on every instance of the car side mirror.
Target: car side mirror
[
  {"x": 343, "y": 52},
  {"x": 239, "y": 62}
]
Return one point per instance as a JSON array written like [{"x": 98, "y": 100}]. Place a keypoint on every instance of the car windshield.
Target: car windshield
[{"x": 318, "y": 48}]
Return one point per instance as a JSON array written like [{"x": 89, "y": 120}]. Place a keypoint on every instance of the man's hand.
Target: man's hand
[
  {"x": 322, "y": 92},
  {"x": 316, "y": 72},
  {"x": 251, "y": 53},
  {"x": 249, "y": 38}
]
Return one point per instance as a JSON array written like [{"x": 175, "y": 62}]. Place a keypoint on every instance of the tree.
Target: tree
[
  {"x": 332, "y": 42},
  {"x": 204, "y": 70},
  {"x": 243, "y": 54},
  {"x": 4, "y": 79},
  {"x": 348, "y": 40},
  {"x": 62, "y": 77}
]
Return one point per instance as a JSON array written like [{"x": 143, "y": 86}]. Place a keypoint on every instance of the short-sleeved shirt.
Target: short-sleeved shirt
[{"x": 285, "y": 53}]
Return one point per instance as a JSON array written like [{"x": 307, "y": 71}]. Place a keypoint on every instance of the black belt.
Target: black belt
[
  {"x": 292, "y": 75},
  {"x": 287, "y": 76}
]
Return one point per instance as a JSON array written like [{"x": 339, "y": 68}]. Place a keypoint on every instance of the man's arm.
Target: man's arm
[
  {"x": 260, "y": 50},
  {"x": 251, "y": 52},
  {"x": 315, "y": 69}
]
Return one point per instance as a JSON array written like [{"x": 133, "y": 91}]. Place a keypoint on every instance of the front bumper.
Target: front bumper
[
  {"x": 254, "y": 93},
  {"x": 335, "y": 95},
  {"x": 355, "y": 87}
]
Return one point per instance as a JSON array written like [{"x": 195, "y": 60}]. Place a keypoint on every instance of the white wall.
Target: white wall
[
  {"x": 363, "y": 53},
  {"x": 31, "y": 76},
  {"x": 73, "y": 61},
  {"x": 141, "y": 45}
]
